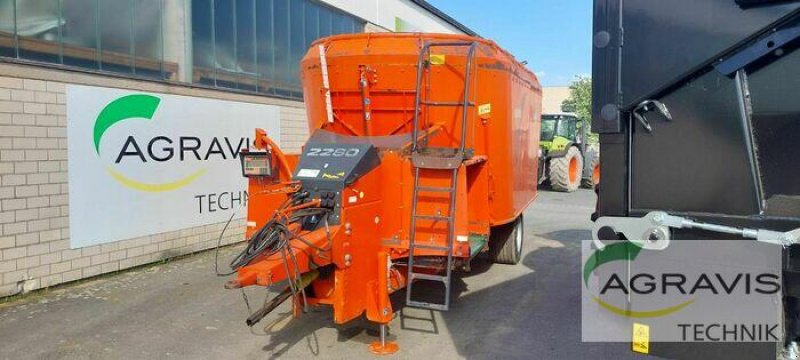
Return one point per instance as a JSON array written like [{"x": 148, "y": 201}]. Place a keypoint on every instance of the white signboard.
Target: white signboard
[{"x": 144, "y": 163}]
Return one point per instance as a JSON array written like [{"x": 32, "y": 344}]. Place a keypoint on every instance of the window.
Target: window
[
  {"x": 297, "y": 46},
  {"x": 148, "y": 41},
  {"x": 246, "y": 44},
  {"x": 257, "y": 45},
  {"x": 558, "y": 125},
  {"x": 78, "y": 41},
  {"x": 38, "y": 23},
  {"x": 115, "y": 34},
  {"x": 265, "y": 50},
  {"x": 325, "y": 23},
  {"x": 311, "y": 22},
  {"x": 122, "y": 36},
  {"x": 249, "y": 45},
  {"x": 225, "y": 43},
  {"x": 568, "y": 129},
  {"x": 7, "y": 44},
  {"x": 548, "y": 129},
  {"x": 202, "y": 42},
  {"x": 280, "y": 46}
]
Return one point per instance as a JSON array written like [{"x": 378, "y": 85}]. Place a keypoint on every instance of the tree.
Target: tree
[{"x": 580, "y": 102}]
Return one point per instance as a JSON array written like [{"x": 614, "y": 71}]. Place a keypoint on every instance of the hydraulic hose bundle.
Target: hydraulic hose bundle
[
  {"x": 275, "y": 235},
  {"x": 295, "y": 214}
]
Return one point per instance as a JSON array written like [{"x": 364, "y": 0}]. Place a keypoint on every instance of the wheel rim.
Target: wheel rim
[
  {"x": 573, "y": 170},
  {"x": 518, "y": 237},
  {"x": 596, "y": 174}
]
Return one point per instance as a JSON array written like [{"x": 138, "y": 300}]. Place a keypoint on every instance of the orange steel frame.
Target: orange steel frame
[{"x": 368, "y": 246}]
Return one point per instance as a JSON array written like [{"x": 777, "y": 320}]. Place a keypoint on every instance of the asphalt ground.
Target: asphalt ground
[{"x": 179, "y": 309}]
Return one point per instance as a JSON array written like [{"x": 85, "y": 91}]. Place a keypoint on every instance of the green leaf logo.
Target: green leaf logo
[
  {"x": 127, "y": 107},
  {"x": 623, "y": 251},
  {"x": 142, "y": 107}
]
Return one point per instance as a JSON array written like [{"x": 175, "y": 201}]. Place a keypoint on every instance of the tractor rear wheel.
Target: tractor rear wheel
[
  {"x": 592, "y": 177},
  {"x": 505, "y": 243},
  {"x": 566, "y": 171}
]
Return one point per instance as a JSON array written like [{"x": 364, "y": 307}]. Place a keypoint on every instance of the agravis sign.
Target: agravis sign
[{"x": 146, "y": 163}]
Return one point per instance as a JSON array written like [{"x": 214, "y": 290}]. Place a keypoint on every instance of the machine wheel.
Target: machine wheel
[
  {"x": 566, "y": 171},
  {"x": 505, "y": 244},
  {"x": 592, "y": 177}
]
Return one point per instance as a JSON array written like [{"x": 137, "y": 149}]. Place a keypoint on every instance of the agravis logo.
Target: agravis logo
[
  {"x": 669, "y": 282},
  {"x": 134, "y": 107},
  {"x": 154, "y": 162},
  {"x": 686, "y": 291},
  {"x": 622, "y": 251}
]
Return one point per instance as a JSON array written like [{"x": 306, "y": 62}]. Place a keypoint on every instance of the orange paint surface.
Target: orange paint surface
[{"x": 493, "y": 187}]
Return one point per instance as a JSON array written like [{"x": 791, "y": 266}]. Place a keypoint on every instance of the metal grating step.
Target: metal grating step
[
  {"x": 427, "y": 305},
  {"x": 438, "y": 158},
  {"x": 424, "y": 276}
]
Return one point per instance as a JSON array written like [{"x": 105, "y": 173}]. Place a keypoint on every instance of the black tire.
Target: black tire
[
  {"x": 505, "y": 243},
  {"x": 565, "y": 176},
  {"x": 590, "y": 179}
]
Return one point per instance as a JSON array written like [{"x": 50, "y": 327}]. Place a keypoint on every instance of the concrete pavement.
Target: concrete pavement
[{"x": 179, "y": 309}]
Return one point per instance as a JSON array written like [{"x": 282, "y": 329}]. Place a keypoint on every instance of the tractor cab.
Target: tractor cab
[
  {"x": 558, "y": 131},
  {"x": 564, "y": 161}
]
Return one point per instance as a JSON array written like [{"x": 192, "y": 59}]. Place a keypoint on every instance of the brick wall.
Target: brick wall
[{"x": 34, "y": 198}]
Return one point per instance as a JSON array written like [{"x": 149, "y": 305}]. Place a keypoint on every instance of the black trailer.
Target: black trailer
[{"x": 697, "y": 103}]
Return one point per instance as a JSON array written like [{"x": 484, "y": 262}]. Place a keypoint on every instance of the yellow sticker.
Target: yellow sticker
[
  {"x": 484, "y": 109},
  {"x": 641, "y": 338},
  {"x": 438, "y": 59}
]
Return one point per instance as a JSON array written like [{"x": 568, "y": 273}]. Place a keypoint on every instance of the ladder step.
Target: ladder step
[
  {"x": 434, "y": 189},
  {"x": 427, "y": 305},
  {"x": 434, "y": 217},
  {"x": 424, "y": 276},
  {"x": 438, "y": 158},
  {"x": 431, "y": 247}
]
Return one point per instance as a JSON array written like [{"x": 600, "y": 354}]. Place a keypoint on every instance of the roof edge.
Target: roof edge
[{"x": 447, "y": 18}]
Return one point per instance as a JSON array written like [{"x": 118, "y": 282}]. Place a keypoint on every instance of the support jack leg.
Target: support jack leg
[{"x": 383, "y": 347}]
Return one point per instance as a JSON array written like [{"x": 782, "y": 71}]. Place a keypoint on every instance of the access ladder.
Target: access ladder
[{"x": 437, "y": 159}]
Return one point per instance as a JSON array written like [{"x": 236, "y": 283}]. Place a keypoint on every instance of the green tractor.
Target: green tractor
[{"x": 564, "y": 158}]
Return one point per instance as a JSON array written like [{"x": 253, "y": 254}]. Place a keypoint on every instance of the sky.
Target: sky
[{"x": 554, "y": 36}]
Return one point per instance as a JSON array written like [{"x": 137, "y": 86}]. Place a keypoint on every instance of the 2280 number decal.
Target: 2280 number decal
[{"x": 333, "y": 152}]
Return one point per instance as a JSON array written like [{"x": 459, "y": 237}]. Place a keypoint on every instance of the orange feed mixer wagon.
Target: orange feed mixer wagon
[{"x": 422, "y": 154}]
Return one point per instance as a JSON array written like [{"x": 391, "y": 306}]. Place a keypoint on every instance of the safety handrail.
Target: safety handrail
[{"x": 467, "y": 77}]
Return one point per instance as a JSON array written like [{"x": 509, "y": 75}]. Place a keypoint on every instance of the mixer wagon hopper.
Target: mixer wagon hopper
[{"x": 423, "y": 154}]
